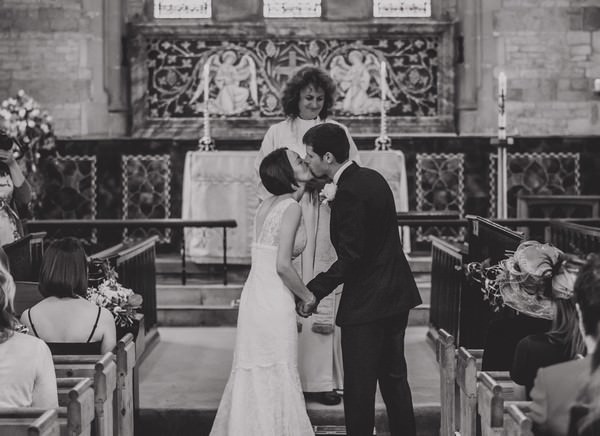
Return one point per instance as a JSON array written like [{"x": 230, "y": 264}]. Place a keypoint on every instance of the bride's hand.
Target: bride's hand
[{"x": 307, "y": 307}]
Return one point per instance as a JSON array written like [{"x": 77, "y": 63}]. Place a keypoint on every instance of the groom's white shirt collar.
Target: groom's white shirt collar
[{"x": 339, "y": 172}]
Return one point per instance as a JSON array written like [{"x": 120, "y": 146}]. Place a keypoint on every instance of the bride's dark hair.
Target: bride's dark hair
[{"x": 276, "y": 173}]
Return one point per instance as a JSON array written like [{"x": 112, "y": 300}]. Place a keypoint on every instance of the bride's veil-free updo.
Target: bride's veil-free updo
[{"x": 276, "y": 173}]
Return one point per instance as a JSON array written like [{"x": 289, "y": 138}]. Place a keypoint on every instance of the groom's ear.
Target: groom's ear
[{"x": 328, "y": 157}]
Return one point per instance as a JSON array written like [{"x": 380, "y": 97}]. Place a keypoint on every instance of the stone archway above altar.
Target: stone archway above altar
[{"x": 223, "y": 185}]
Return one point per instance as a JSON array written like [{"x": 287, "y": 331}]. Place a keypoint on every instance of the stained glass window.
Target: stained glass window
[
  {"x": 182, "y": 9},
  {"x": 402, "y": 8},
  {"x": 292, "y": 8}
]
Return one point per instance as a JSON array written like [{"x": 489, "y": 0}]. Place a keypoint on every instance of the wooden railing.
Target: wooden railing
[
  {"x": 25, "y": 256},
  {"x": 575, "y": 238},
  {"x": 167, "y": 223},
  {"x": 135, "y": 263},
  {"x": 446, "y": 284}
]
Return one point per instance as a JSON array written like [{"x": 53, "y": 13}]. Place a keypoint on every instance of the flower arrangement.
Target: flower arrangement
[
  {"x": 122, "y": 302},
  {"x": 30, "y": 127},
  {"x": 528, "y": 280}
]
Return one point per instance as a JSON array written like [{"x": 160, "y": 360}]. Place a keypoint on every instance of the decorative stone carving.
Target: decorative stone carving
[
  {"x": 536, "y": 173},
  {"x": 250, "y": 64},
  {"x": 146, "y": 192},
  {"x": 70, "y": 192},
  {"x": 440, "y": 187}
]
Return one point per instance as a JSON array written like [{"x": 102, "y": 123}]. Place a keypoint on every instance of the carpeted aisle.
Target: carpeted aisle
[{"x": 182, "y": 380}]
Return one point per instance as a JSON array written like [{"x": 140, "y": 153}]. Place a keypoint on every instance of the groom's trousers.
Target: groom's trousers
[{"x": 374, "y": 352}]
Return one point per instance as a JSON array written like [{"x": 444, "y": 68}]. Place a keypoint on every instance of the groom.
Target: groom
[{"x": 379, "y": 288}]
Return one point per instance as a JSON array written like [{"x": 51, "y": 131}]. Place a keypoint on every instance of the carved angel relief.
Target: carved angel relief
[
  {"x": 357, "y": 75},
  {"x": 235, "y": 82}
]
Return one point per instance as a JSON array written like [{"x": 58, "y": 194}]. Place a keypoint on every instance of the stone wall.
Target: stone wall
[
  {"x": 53, "y": 50},
  {"x": 550, "y": 52},
  {"x": 549, "y": 49}
]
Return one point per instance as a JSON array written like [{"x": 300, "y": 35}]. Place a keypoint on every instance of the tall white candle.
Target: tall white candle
[
  {"x": 206, "y": 78},
  {"x": 502, "y": 106},
  {"x": 382, "y": 79}
]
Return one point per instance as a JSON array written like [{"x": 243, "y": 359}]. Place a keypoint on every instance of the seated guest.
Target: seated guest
[
  {"x": 68, "y": 322},
  {"x": 563, "y": 342},
  {"x": 26, "y": 370},
  {"x": 521, "y": 282},
  {"x": 556, "y": 387}
]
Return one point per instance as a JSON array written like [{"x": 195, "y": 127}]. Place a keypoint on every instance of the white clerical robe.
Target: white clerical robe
[{"x": 319, "y": 345}]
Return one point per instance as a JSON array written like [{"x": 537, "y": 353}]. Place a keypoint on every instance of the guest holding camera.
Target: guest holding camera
[
  {"x": 64, "y": 319},
  {"x": 15, "y": 192}
]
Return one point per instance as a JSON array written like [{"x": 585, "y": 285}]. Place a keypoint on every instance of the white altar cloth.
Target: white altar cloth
[{"x": 222, "y": 185}]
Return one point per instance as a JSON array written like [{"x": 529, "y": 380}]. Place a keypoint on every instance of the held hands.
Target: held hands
[{"x": 307, "y": 308}]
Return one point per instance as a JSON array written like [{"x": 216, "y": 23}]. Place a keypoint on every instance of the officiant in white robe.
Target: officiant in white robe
[{"x": 307, "y": 98}]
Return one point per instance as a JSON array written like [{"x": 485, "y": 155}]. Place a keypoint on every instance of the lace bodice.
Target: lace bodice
[{"x": 269, "y": 233}]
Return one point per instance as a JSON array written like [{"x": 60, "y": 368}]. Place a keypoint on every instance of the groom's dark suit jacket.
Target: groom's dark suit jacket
[{"x": 378, "y": 282}]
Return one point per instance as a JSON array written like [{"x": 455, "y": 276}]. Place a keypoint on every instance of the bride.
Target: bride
[{"x": 263, "y": 396}]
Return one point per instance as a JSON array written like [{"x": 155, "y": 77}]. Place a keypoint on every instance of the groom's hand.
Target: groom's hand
[{"x": 307, "y": 308}]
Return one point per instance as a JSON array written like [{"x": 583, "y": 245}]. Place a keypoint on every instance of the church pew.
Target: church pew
[
  {"x": 103, "y": 372},
  {"x": 26, "y": 295},
  {"x": 516, "y": 422},
  {"x": 468, "y": 363},
  {"x": 446, "y": 359},
  {"x": 76, "y": 406},
  {"x": 575, "y": 238},
  {"x": 446, "y": 284},
  {"x": 25, "y": 256},
  {"x": 27, "y": 421},
  {"x": 458, "y": 386},
  {"x": 494, "y": 392},
  {"x": 127, "y": 386}
]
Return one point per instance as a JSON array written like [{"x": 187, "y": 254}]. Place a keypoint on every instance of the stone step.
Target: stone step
[
  {"x": 198, "y": 422},
  {"x": 226, "y": 315},
  {"x": 223, "y": 295},
  {"x": 171, "y": 264},
  {"x": 206, "y": 294},
  {"x": 419, "y": 264}
]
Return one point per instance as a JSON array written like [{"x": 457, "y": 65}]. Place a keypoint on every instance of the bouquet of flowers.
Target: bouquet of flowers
[
  {"x": 29, "y": 126},
  {"x": 122, "y": 302}
]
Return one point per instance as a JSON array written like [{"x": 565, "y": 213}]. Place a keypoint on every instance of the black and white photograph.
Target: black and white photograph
[{"x": 299, "y": 218}]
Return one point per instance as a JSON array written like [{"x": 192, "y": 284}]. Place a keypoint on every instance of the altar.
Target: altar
[{"x": 223, "y": 185}]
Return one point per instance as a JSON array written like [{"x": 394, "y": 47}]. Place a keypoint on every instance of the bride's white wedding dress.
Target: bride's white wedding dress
[{"x": 263, "y": 396}]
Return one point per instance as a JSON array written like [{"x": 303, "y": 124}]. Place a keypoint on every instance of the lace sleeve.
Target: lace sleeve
[{"x": 269, "y": 234}]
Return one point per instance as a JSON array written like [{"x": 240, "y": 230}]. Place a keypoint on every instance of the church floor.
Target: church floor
[{"x": 182, "y": 380}]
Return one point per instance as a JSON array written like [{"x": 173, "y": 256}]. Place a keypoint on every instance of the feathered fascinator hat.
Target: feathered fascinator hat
[{"x": 528, "y": 280}]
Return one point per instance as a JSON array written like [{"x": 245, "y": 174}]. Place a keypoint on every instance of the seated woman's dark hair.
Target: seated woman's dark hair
[
  {"x": 276, "y": 173},
  {"x": 7, "y": 296},
  {"x": 304, "y": 77},
  {"x": 64, "y": 271}
]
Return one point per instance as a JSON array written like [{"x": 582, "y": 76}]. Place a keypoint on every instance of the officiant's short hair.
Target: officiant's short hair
[
  {"x": 328, "y": 137},
  {"x": 276, "y": 173},
  {"x": 64, "y": 270}
]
